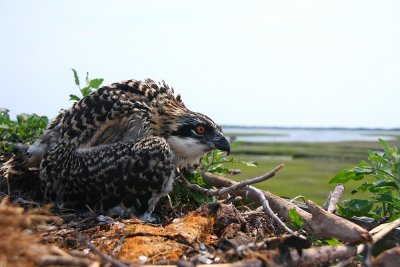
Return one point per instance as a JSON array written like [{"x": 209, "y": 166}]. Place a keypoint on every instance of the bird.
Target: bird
[{"x": 125, "y": 143}]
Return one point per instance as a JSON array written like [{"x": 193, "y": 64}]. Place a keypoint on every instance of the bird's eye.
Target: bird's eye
[{"x": 200, "y": 129}]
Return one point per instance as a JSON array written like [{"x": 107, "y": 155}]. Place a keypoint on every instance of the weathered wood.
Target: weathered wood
[
  {"x": 334, "y": 198},
  {"x": 353, "y": 233}
]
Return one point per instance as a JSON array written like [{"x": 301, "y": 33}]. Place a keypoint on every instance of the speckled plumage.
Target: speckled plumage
[{"x": 123, "y": 143}]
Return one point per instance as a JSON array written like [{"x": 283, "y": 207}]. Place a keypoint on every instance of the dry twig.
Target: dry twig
[
  {"x": 257, "y": 192},
  {"x": 229, "y": 189}
]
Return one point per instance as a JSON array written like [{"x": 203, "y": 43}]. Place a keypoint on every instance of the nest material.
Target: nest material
[{"x": 20, "y": 241}]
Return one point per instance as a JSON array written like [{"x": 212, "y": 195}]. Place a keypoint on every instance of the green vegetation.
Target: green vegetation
[
  {"x": 91, "y": 85},
  {"x": 384, "y": 167},
  {"x": 308, "y": 166},
  {"x": 26, "y": 129},
  {"x": 296, "y": 219}
]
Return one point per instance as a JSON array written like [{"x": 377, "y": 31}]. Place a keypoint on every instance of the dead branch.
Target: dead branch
[
  {"x": 390, "y": 257},
  {"x": 257, "y": 192},
  {"x": 229, "y": 189},
  {"x": 382, "y": 230},
  {"x": 334, "y": 198},
  {"x": 318, "y": 255},
  {"x": 330, "y": 225},
  {"x": 282, "y": 207},
  {"x": 264, "y": 203},
  {"x": 329, "y": 253}
]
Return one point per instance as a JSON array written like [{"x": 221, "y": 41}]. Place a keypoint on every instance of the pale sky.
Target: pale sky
[{"x": 272, "y": 63}]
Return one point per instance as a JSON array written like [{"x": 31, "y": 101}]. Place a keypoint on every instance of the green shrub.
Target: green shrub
[
  {"x": 26, "y": 129},
  {"x": 384, "y": 167}
]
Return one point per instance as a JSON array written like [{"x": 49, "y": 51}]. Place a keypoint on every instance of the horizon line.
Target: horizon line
[{"x": 311, "y": 127}]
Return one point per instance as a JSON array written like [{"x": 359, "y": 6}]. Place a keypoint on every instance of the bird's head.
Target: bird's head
[{"x": 193, "y": 136}]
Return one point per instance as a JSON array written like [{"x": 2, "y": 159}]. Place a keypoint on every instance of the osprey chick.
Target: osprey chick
[{"x": 123, "y": 143}]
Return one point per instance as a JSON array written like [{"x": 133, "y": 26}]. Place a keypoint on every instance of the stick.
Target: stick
[
  {"x": 268, "y": 210},
  {"x": 235, "y": 186},
  {"x": 382, "y": 230},
  {"x": 334, "y": 198}
]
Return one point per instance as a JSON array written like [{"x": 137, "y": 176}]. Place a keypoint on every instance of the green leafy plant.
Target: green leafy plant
[
  {"x": 384, "y": 166},
  {"x": 296, "y": 219},
  {"x": 26, "y": 129},
  {"x": 91, "y": 85},
  {"x": 216, "y": 160}
]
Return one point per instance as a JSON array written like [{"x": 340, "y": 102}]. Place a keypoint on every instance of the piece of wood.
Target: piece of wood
[
  {"x": 329, "y": 225},
  {"x": 388, "y": 258},
  {"x": 282, "y": 207},
  {"x": 334, "y": 198}
]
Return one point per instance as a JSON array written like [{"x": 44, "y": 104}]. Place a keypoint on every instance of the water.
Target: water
[{"x": 255, "y": 134}]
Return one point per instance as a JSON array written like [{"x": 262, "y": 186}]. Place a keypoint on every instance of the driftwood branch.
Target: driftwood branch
[
  {"x": 347, "y": 232},
  {"x": 334, "y": 198},
  {"x": 329, "y": 225}
]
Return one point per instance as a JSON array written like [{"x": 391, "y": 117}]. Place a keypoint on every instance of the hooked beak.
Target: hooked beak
[{"x": 221, "y": 143}]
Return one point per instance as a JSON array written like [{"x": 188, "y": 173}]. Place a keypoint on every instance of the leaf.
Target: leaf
[
  {"x": 219, "y": 170},
  {"x": 85, "y": 91},
  {"x": 373, "y": 156},
  {"x": 295, "y": 218},
  {"x": 385, "y": 145},
  {"x": 95, "y": 83},
  {"x": 382, "y": 186},
  {"x": 76, "y": 77},
  {"x": 364, "y": 187},
  {"x": 74, "y": 97},
  {"x": 387, "y": 197},
  {"x": 197, "y": 178},
  {"x": 4, "y": 126},
  {"x": 343, "y": 177},
  {"x": 332, "y": 242},
  {"x": 355, "y": 207},
  {"x": 362, "y": 168},
  {"x": 87, "y": 78}
]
